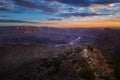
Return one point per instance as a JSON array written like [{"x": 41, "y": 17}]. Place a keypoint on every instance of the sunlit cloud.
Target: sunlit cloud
[{"x": 64, "y": 13}]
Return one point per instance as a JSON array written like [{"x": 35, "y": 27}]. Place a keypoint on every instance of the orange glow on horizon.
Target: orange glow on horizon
[
  {"x": 66, "y": 24},
  {"x": 86, "y": 24}
]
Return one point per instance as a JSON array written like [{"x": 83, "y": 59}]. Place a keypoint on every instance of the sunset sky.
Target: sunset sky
[{"x": 60, "y": 13}]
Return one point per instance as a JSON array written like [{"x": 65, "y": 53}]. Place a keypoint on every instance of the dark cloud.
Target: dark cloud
[
  {"x": 80, "y": 14},
  {"x": 73, "y": 2},
  {"x": 14, "y": 21},
  {"x": 105, "y": 1},
  {"x": 5, "y": 6},
  {"x": 11, "y": 11},
  {"x": 85, "y": 3},
  {"x": 52, "y": 19},
  {"x": 29, "y": 4},
  {"x": 8, "y": 7},
  {"x": 4, "y": 9},
  {"x": 71, "y": 8}
]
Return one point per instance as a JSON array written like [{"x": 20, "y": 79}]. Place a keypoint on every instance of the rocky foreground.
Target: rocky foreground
[{"x": 80, "y": 63}]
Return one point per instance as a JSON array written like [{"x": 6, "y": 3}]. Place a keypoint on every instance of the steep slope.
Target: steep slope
[
  {"x": 109, "y": 40},
  {"x": 80, "y": 63},
  {"x": 13, "y": 56}
]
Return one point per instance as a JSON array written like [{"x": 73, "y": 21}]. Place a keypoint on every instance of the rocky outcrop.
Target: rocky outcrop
[{"x": 80, "y": 63}]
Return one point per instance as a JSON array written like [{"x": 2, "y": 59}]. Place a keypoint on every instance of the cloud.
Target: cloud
[
  {"x": 32, "y": 5},
  {"x": 77, "y": 14},
  {"x": 111, "y": 9},
  {"x": 4, "y": 9},
  {"x": 53, "y": 19},
  {"x": 6, "y": 6},
  {"x": 85, "y": 3},
  {"x": 14, "y": 21}
]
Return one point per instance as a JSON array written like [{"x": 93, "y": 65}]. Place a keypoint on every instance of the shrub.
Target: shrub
[
  {"x": 117, "y": 69},
  {"x": 78, "y": 49},
  {"x": 90, "y": 48},
  {"x": 87, "y": 73}
]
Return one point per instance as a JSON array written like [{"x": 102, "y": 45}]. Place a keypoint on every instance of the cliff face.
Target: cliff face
[
  {"x": 13, "y": 56},
  {"x": 80, "y": 63},
  {"x": 109, "y": 40}
]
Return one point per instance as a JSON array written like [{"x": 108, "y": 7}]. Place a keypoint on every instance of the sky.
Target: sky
[{"x": 60, "y": 13}]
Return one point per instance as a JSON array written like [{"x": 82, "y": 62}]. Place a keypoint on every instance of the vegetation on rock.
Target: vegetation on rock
[{"x": 70, "y": 65}]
